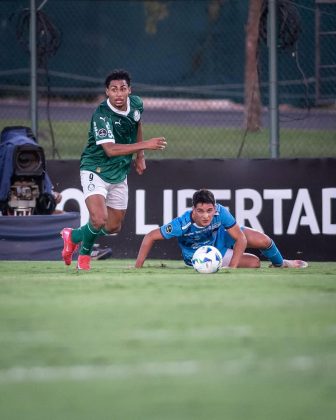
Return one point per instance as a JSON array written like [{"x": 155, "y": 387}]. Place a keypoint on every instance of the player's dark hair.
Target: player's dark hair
[
  {"x": 203, "y": 196},
  {"x": 118, "y": 74}
]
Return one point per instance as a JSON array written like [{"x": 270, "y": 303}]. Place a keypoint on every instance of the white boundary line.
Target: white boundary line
[
  {"x": 183, "y": 368},
  {"x": 89, "y": 372}
]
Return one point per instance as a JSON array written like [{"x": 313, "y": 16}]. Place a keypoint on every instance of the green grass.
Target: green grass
[
  {"x": 165, "y": 342},
  {"x": 194, "y": 142}
]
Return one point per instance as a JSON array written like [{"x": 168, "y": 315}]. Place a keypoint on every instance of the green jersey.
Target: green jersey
[{"x": 109, "y": 125}]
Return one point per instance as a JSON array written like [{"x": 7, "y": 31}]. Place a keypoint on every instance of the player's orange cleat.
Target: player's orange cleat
[
  {"x": 83, "y": 262},
  {"x": 69, "y": 247},
  {"x": 292, "y": 264}
]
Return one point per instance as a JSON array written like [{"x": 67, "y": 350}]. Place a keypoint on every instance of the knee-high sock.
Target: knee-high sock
[
  {"x": 90, "y": 234},
  {"x": 103, "y": 232},
  {"x": 273, "y": 254},
  {"x": 77, "y": 235}
]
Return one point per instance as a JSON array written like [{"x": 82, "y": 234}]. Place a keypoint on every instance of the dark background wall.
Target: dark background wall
[{"x": 251, "y": 188}]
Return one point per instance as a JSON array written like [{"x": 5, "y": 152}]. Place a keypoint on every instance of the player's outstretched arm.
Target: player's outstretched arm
[
  {"x": 146, "y": 246},
  {"x": 239, "y": 246},
  {"x": 116, "y": 149},
  {"x": 139, "y": 162}
]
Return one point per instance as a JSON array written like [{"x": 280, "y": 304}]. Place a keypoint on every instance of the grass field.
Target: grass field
[
  {"x": 188, "y": 142},
  {"x": 166, "y": 343}
]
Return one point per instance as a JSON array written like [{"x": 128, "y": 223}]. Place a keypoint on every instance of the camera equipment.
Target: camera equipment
[
  {"x": 25, "y": 188},
  {"x": 22, "y": 198},
  {"x": 28, "y": 160},
  {"x": 28, "y": 170}
]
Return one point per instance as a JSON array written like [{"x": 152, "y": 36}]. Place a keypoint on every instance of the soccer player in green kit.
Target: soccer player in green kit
[{"x": 115, "y": 135}]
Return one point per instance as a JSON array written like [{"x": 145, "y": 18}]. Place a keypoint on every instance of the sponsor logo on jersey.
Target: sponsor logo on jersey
[
  {"x": 103, "y": 118},
  {"x": 91, "y": 187},
  {"x": 95, "y": 128},
  {"x": 109, "y": 130},
  {"x": 117, "y": 122},
  {"x": 136, "y": 115},
  {"x": 217, "y": 225},
  {"x": 169, "y": 228},
  {"x": 102, "y": 132}
]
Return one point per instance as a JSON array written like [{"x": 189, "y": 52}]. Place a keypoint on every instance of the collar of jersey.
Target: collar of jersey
[
  {"x": 194, "y": 223},
  {"x": 200, "y": 227},
  {"x": 117, "y": 110}
]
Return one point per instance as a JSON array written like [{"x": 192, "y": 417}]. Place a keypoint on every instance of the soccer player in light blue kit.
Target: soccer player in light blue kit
[{"x": 209, "y": 223}]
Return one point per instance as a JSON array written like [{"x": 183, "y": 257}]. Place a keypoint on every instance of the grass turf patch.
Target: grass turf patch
[
  {"x": 189, "y": 142},
  {"x": 165, "y": 342}
]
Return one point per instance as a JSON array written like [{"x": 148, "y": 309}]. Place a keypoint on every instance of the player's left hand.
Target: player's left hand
[{"x": 140, "y": 165}]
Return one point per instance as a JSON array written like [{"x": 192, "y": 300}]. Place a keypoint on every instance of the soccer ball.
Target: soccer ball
[{"x": 207, "y": 259}]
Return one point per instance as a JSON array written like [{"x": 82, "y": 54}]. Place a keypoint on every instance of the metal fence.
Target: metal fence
[{"x": 188, "y": 61}]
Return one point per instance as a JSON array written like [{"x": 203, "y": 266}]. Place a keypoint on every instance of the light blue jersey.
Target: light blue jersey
[{"x": 191, "y": 236}]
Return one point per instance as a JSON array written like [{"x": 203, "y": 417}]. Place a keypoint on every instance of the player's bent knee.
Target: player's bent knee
[
  {"x": 249, "y": 261},
  {"x": 264, "y": 241},
  {"x": 267, "y": 242},
  {"x": 255, "y": 262},
  {"x": 113, "y": 229}
]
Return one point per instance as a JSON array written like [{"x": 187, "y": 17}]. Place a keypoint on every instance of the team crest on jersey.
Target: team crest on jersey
[
  {"x": 102, "y": 132},
  {"x": 169, "y": 228},
  {"x": 136, "y": 115},
  {"x": 91, "y": 187}
]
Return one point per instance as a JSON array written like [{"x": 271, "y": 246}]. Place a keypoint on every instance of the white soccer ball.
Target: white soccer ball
[{"x": 207, "y": 259}]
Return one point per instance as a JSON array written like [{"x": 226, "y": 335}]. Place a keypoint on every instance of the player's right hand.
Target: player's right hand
[{"x": 156, "y": 143}]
